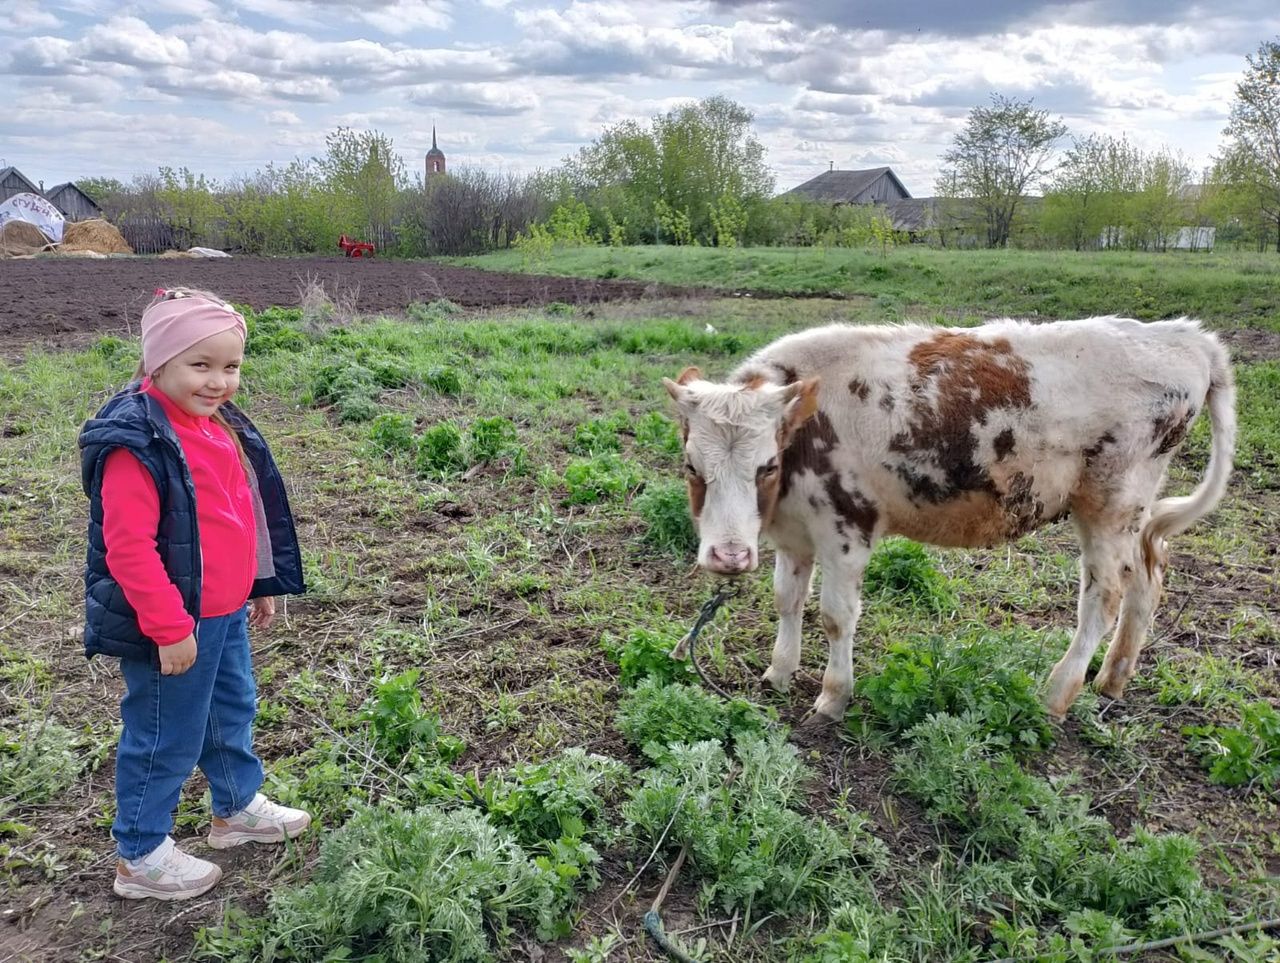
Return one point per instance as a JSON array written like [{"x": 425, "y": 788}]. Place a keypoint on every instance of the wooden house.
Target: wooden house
[
  {"x": 74, "y": 203},
  {"x": 13, "y": 182},
  {"x": 877, "y": 185}
]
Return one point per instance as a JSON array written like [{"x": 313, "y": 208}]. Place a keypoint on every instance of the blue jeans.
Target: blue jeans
[{"x": 172, "y": 723}]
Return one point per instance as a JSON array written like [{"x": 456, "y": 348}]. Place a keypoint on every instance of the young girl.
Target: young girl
[{"x": 188, "y": 522}]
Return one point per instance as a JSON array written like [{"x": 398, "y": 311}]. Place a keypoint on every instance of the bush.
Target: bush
[
  {"x": 273, "y": 330},
  {"x": 668, "y": 524},
  {"x": 443, "y": 380}
]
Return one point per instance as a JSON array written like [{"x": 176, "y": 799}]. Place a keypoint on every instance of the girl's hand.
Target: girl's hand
[
  {"x": 178, "y": 658},
  {"x": 262, "y": 612}
]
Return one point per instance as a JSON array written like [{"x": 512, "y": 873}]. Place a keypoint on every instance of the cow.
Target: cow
[{"x": 829, "y": 439}]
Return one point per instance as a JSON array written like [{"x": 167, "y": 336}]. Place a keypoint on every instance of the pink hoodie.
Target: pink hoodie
[{"x": 224, "y": 512}]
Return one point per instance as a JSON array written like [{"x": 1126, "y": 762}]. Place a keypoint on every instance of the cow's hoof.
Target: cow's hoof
[
  {"x": 778, "y": 681},
  {"x": 829, "y": 708},
  {"x": 815, "y": 720}
]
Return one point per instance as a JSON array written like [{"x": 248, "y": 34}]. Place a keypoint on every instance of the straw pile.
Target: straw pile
[
  {"x": 20, "y": 238},
  {"x": 94, "y": 235}
]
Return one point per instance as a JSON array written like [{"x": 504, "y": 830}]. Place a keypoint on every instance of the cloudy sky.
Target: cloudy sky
[{"x": 100, "y": 87}]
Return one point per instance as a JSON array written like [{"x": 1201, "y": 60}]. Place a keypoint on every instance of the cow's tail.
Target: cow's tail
[{"x": 1172, "y": 516}]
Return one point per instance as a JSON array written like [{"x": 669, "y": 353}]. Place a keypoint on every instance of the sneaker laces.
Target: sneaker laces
[{"x": 265, "y": 808}]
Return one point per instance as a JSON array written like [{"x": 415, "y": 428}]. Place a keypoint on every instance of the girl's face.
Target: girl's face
[{"x": 203, "y": 376}]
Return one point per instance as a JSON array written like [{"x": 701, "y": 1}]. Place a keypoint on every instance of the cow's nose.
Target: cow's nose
[{"x": 730, "y": 558}]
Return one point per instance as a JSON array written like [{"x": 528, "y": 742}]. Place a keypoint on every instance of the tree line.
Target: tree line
[{"x": 697, "y": 175}]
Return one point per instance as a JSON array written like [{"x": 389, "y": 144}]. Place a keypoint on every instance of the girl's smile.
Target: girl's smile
[{"x": 205, "y": 375}]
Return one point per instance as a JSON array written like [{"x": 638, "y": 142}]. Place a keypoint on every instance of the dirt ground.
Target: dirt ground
[{"x": 57, "y": 300}]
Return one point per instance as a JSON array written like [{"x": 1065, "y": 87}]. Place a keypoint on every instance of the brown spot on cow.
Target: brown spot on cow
[
  {"x": 697, "y": 495},
  {"x": 859, "y": 389},
  {"x": 886, "y": 401},
  {"x": 1003, "y": 444},
  {"x": 1172, "y": 419},
  {"x": 958, "y": 380},
  {"x": 1097, "y": 448},
  {"x": 755, "y": 381},
  {"x": 810, "y": 449}
]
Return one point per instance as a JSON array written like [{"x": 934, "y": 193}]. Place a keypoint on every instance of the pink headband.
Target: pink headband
[{"x": 171, "y": 327}]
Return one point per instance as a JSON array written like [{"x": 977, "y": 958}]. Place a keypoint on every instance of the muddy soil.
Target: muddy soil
[{"x": 56, "y": 301}]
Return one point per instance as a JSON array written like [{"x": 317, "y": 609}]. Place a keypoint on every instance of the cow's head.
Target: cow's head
[{"x": 734, "y": 439}]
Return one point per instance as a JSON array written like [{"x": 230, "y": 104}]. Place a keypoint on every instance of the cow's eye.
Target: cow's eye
[
  {"x": 768, "y": 468},
  {"x": 690, "y": 470}
]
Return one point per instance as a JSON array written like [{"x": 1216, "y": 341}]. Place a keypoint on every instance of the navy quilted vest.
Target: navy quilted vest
[{"x": 136, "y": 421}]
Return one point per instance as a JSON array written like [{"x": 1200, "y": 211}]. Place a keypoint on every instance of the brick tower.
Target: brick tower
[{"x": 435, "y": 157}]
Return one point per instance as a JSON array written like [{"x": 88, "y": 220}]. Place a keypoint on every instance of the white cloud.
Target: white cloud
[{"x": 24, "y": 16}]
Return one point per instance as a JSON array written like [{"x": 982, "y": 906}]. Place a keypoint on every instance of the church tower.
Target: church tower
[{"x": 435, "y": 157}]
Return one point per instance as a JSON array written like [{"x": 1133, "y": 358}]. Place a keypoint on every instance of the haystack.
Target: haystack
[
  {"x": 94, "y": 235},
  {"x": 20, "y": 238}
]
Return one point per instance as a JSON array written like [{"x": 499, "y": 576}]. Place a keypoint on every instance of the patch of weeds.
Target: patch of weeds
[
  {"x": 319, "y": 781},
  {"x": 489, "y": 439},
  {"x": 109, "y": 347},
  {"x": 668, "y": 524},
  {"x": 978, "y": 676},
  {"x": 563, "y": 797},
  {"x": 347, "y": 386},
  {"x": 440, "y": 453},
  {"x": 674, "y": 337},
  {"x": 1247, "y": 753},
  {"x": 393, "y": 433},
  {"x": 405, "y": 887},
  {"x": 559, "y": 309},
  {"x": 273, "y": 330},
  {"x": 443, "y": 380},
  {"x": 599, "y": 434},
  {"x": 431, "y": 311},
  {"x": 903, "y": 571},
  {"x": 1203, "y": 679},
  {"x": 751, "y": 847},
  {"x": 401, "y": 729},
  {"x": 602, "y": 477},
  {"x": 1038, "y": 846},
  {"x": 646, "y": 655},
  {"x": 657, "y": 433},
  {"x": 39, "y": 758},
  {"x": 654, "y": 717}
]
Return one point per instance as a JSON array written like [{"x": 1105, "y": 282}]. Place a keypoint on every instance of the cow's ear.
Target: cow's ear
[
  {"x": 802, "y": 404},
  {"x": 677, "y": 390},
  {"x": 689, "y": 374}
]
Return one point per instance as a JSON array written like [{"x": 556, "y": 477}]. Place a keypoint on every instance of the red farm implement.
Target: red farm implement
[{"x": 353, "y": 248}]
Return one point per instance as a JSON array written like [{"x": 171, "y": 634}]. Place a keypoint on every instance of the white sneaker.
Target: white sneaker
[
  {"x": 262, "y": 821},
  {"x": 165, "y": 873}
]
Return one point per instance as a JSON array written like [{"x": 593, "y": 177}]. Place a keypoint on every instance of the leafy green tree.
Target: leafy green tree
[
  {"x": 1002, "y": 152},
  {"x": 1252, "y": 156},
  {"x": 364, "y": 174},
  {"x": 682, "y": 166},
  {"x": 100, "y": 188},
  {"x": 190, "y": 205}
]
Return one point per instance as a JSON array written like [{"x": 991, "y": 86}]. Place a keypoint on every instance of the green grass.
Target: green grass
[
  {"x": 480, "y": 673},
  {"x": 1234, "y": 289}
]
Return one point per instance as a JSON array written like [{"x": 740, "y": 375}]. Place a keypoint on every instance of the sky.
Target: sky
[{"x": 104, "y": 88}]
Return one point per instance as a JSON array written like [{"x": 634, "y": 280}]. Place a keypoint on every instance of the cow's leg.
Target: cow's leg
[
  {"x": 841, "y": 605},
  {"x": 1106, "y": 564},
  {"x": 1140, "y": 600},
  {"x": 792, "y": 576}
]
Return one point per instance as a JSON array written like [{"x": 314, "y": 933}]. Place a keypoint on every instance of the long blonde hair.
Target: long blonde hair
[{"x": 169, "y": 294}]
